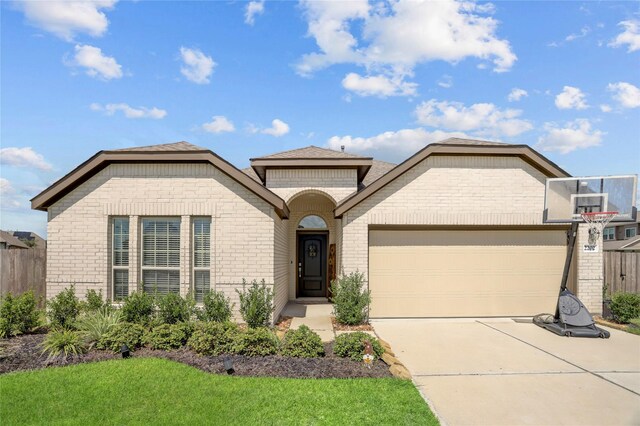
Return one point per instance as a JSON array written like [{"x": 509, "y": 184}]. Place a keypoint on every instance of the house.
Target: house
[
  {"x": 630, "y": 244},
  {"x": 8, "y": 241},
  {"x": 31, "y": 239},
  {"x": 621, "y": 235},
  {"x": 456, "y": 230}
]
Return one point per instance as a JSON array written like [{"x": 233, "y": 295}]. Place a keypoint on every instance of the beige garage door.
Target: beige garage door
[{"x": 465, "y": 273}]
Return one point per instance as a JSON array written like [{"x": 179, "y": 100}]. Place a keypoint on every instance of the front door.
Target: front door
[{"x": 312, "y": 265}]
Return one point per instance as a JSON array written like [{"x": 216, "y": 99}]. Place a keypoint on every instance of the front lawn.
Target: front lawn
[{"x": 158, "y": 391}]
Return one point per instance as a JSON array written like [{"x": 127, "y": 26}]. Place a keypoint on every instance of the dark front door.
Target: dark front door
[{"x": 312, "y": 265}]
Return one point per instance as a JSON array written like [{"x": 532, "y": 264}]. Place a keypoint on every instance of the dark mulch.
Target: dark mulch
[
  {"x": 25, "y": 353},
  {"x": 344, "y": 327}
]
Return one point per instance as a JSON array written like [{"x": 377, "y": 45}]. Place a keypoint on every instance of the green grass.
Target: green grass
[{"x": 156, "y": 391}]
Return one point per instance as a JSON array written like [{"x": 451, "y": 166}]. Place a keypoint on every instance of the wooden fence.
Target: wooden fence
[
  {"x": 622, "y": 271},
  {"x": 23, "y": 270}
]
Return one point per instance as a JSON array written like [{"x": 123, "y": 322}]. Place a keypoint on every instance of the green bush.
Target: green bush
[
  {"x": 256, "y": 304},
  {"x": 216, "y": 307},
  {"x": 351, "y": 345},
  {"x": 96, "y": 324},
  {"x": 168, "y": 336},
  {"x": 257, "y": 342},
  {"x": 63, "y": 342},
  {"x": 18, "y": 315},
  {"x": 302, "y": 343},
  {"x": 350, "y": 300},
  {"x": 63, "y": 309},
  {"x": 625, "y": 306},
  {"x": 124, "y": 333},
  {"x": 94, "y": 301},
  {"x": 138, "y": 308},
  {"x": 172, "y": 308},
  {"x": 214, "y": 338}
]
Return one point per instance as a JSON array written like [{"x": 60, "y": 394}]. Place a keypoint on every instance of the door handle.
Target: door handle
[{"x": 300, "y": 270}]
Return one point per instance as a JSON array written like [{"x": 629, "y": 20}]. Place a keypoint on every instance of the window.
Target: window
[
  {"x": 609, "y": 234},
  {"x": 312, "y": 222},
  {"x": 120, "y": 257},
  {"x": 201, "y": 257},
  {"x": 161, "y": 255},
  {"x": 629, "y": 233}
]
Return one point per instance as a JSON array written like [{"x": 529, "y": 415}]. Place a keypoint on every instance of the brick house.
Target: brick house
[{"x": 455, "y": 230}]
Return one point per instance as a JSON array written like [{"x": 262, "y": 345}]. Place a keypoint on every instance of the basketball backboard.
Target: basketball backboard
[{"x": 567, "y": 198}]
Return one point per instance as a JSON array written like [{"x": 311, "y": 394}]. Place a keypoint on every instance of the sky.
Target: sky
[{"x": 246, "y": 79}]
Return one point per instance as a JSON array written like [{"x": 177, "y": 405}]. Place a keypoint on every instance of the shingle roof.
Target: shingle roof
[
  {"x": 176, "y": 146},
  {"x": 308, "y": 152},
  {"x": 377, "y": 170},
  {"x": 629, "y": 244},
  {"x": 462, "y": 141},
  {"x": 10, "y": 240}
]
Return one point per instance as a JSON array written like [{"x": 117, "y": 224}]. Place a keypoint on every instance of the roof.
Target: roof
[
  {"x": 180, "y": 152},
  {"x": 453, "y": 146},
  {"x": 308, "y": 153},
  {"x": 11, "y": 241},
  {"x": 630, "y": 244},
  {"x": 26, "y": 235}
]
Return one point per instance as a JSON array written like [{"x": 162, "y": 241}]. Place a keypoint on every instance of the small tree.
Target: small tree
[
  {"x": 63, "y": 309},
  {"x": 256, "y": 304},
  {"x": 350, "y": 300},
  {"x": 216, "y": 307}
]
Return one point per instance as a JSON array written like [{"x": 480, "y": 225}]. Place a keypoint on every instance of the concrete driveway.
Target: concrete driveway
[{"x": 502, "y": 372}]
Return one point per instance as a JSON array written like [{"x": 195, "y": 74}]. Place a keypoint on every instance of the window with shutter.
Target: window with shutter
[
  {"x": 161, "y": 255},
  {"x": 201, "y": 257},
  {"x": 120, "y": 257}
]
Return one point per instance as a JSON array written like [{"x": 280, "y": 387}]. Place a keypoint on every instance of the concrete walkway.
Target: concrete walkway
[
  {"x": 315, "y": 316},
  {"x": 499, "y": 372}
]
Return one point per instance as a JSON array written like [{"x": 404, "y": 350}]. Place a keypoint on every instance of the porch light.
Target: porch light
[
  {"x": 228, "y": 365},
  {"x": 124, "y": 350}
]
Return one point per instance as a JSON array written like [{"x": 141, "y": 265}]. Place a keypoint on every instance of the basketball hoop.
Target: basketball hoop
[{"x": 597, "y": 222}]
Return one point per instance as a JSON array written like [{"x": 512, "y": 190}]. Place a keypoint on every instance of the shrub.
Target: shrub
[
  {"x": 63, "y": 342},
  {"x": 93, "y": 326},
  {"x": 216, "y": 307},
  {"x": 214, "y": 338},
  {"x": 257, "y": 342},
  {"x": 94, "y": 301},
  {"x": 625, "y": 306},
  {"x": 256, "y": 304},
  {"x": 350, "y": 301},
  {"x": 63, "y": 309},
  {"x": 172, "y": 308},
  {"x": 302, "y": 343},
  {"x": 138, "y": 307},
  {"x": 168, "y": 336},
  {"x": 18, "y": 315},
  {"x": 124, "y": 333},
  {"x": 352, "y": 345}
]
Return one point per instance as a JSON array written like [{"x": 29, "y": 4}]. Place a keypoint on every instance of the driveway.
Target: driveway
[{"x": 502, "y": 372}]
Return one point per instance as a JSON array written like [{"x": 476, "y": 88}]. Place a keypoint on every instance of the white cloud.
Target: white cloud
[
  {"x": 130, "y": 112},
  {"x": 482, "y": 118},
  {"x": 378, "y": 85},
  {"x": 583, "y": 33},
  {"x": 576, "y": 134},
  {"x": 446, "y": 81},
  {"x": 8, "y": 195},
  {"x": 278, "y": 128},
  {"x": 253, "y": 8},
  {"x": 23, "y": 157},
  {"x": 219, "y": 124},
  {"x": 571, "y": 98},
  {"x": 197, "y": 67},
  {"x": 96, "y": 64},
  {"x": 68, "y": 18},
  {"x": 5, "y": 187},
  {"x": 398, "y": 143},
  {"x": 627, "y": 95},
  {"x": 605, "y": 108},
  {"x": 396, "y": 36},
  {"x": 630, "y": 36},
  {"x": 516, "y": 94}
]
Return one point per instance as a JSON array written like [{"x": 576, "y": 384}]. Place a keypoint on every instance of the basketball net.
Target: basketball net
[{"x": 597, "y": 222}]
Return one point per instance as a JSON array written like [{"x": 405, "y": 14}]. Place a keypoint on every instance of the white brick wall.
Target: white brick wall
[
  {"x": 590, "y": 272},
  {"x": 337, "y": 183},
  {"x": 78, "y": 243}
]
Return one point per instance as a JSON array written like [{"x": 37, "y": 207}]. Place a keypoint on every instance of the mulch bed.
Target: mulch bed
[
  {"x": 25, "y": 353},
  {"x": 343, "y": 327},
  {"x": 283, "y": 324}
]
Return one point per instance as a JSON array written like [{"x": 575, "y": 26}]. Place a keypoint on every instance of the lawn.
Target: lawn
[{"x": 157, "y": 391}]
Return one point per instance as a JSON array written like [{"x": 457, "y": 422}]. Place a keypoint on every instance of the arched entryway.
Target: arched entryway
[{"x": 312, "y": 244}]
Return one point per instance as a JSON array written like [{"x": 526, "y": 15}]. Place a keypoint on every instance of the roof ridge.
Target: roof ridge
[
  {"x": 187, "y": 146},
  {"x": 285, "y": 154}
]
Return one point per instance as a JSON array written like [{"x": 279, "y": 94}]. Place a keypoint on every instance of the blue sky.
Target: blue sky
[{"x": 247, "y": 79}]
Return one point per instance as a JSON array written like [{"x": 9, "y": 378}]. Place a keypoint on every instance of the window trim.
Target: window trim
[
  {"x": 609, "y": 234},
  {"x": 194, "y": 268},
  {"x": 144, "y": 268},
  {"x": 115, "y": 267},
  {"x": 630, "y": 228}
]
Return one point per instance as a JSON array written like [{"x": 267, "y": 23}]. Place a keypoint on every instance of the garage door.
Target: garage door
[{"x": 465, "y": 273}]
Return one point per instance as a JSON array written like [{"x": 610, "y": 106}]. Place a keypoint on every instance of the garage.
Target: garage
[{"x": 465, "y": 272}]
